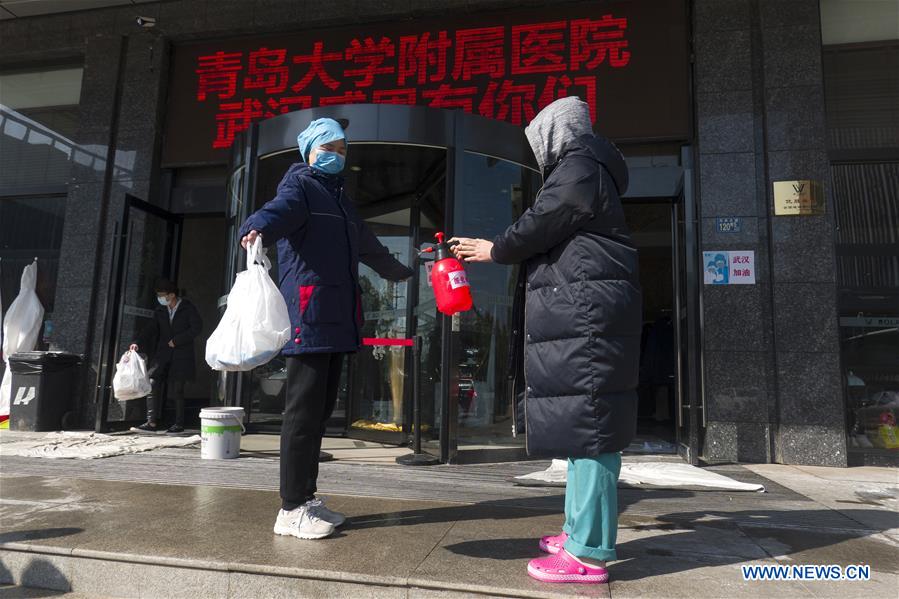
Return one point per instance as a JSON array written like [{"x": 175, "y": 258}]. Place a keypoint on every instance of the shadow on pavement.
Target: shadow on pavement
[
  {"x": 680, "y": 540},
  {"x": 38, "y": 575},
  {"x": 500, "y": 509},
  {"x": 38, "y": 534}
]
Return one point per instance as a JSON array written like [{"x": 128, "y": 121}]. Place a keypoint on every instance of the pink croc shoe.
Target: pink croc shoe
[
  {"x": 562, "y": 567},
  {"x": 553, "y": 545}
]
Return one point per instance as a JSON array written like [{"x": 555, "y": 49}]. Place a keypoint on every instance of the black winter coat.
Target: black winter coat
[
  {"x": 182, "y": 330},
  {"x": 582, "y": 306}
]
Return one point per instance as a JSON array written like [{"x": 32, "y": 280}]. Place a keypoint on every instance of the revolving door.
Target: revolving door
[{"x": 411, "y": 171}]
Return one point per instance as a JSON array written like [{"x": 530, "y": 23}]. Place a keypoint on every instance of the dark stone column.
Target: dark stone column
[
  {"x": 117, "y": 154},
  {"x": 771, "y": 376},
  {"x": 77, "y": 289},
  {"x": 736, "y": 321},
  {"x": 811, "y": 406}
]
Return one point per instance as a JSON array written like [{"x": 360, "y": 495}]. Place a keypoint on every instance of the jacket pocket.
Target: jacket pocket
[{"x": 321, "y": 304}]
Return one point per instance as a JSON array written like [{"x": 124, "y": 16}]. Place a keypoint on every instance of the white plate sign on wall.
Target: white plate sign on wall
[{"x": 733, "y": 267}]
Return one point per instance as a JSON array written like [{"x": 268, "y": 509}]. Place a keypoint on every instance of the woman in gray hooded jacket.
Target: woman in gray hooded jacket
[{"x": 582, "y": 322}]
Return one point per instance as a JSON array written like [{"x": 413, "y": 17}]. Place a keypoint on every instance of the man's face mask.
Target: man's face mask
[
  {"x": 329, "y": 162},
  {"x": 163, "y": 300}
]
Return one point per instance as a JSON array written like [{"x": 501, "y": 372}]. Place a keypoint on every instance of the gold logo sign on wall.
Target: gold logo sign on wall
[{"x": 798, "y": 198}]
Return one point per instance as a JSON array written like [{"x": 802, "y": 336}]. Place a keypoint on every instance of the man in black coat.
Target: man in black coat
[
  {"x": 169, "y": 342},
  {"x": 582, "y": 313}
]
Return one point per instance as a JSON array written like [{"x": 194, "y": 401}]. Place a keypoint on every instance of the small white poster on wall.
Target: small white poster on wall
[{"x": 729, "y": 267}]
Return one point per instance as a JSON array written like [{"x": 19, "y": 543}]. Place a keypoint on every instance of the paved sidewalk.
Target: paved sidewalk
[{"x": 94, "y": 528}]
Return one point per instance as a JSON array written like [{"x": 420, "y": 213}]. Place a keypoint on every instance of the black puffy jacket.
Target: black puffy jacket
[{"x": 582, "y": 306}]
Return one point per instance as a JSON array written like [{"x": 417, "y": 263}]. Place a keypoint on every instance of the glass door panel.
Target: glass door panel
[
  {"x": 399, "y": 191},
  {"x": 495, "y": 194},
  {"x": 148, "y": 241}
]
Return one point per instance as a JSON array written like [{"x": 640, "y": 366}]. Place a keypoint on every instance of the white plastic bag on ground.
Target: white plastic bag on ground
[
  {"x": 131, "y": 380},
  {"x": 21, "y": 327},
  {"x": 255, "y": 325}
]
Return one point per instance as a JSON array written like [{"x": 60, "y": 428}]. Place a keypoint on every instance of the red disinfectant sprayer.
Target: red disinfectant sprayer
[{"x": 451, "y": 288}]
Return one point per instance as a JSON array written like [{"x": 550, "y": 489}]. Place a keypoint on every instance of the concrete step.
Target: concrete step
[
  {"x": 9, "y": 591},
  {"x": 84, "y": 574}
]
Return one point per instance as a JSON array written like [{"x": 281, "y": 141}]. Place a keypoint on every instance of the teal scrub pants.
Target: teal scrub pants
[{"x": 591, "y": 506}]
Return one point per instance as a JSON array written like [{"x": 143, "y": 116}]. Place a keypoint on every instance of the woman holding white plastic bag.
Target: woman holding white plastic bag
[{"x": 320, "y": 242}]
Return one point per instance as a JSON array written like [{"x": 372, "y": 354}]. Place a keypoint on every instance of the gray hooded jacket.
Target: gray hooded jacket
[
  {"x": 556, "y": 127},
  {"x": 582, "y": 307}
]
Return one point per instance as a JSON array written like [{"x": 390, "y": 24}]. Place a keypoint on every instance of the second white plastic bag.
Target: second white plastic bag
[
  {"x": 20, "y": 328},
  {"x": 131, "y": 380},
  {"x": 256, "y": 324}
]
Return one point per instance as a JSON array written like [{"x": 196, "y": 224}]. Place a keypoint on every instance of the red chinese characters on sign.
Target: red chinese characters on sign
[
  {"x": 349, "y": 97},
  {"x": 594, "y": 42},
  {"x": 373, "y": 57},
  {"x": 233, "y": 118},
  {"x": 509, "y": 102},
  {"x": 316, "y": 62},
  {"x": 408, "y": 96},
  {"x": 505, "y": 73},
  {"x": 278, "y": 106},
  {"x": 217, "y": 74},
  {"x": 539, "y": 48},
  {"x": 267, "y": 71},
  {"x": 423, "y": 58},
  {"x": 447, "y": 96},
  {"x": 479, "y": 52}
]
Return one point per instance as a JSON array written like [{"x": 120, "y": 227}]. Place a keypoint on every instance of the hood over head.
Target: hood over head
[
  {"x": 556, "y": 127},
  {"x": 610, "y": 157}
]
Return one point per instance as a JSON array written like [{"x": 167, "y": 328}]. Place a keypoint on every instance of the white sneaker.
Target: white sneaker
[
  {"x": 317, "y": 507},
  {"x": 302, "y": 523}
]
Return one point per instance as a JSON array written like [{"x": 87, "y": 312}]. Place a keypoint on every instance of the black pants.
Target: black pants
[
  {"x": 312, "y": 382},
  {"x": 162, "y": 385}
]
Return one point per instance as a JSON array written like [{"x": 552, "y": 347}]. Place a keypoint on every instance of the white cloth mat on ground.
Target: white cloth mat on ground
[
  {"x": 86, "y": 446},
  {"x": 656, "y": 475}
]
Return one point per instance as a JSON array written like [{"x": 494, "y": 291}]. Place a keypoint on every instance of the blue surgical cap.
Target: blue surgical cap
[{"x": 319, "y": 131}]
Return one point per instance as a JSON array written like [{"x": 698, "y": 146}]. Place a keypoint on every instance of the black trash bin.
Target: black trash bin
[{"x": 43, "y": 384}]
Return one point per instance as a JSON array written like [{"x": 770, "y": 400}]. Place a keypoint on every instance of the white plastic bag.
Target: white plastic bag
[
  {"x": 21, "y": 327},
  {"x": 131, "y": 380},
  {"x": 255, "y": 325}
]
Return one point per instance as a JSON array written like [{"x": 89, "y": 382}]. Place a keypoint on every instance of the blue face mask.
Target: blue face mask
[
  {"x": 329, "y": 162},
  {"x": 162, "y": 300}
]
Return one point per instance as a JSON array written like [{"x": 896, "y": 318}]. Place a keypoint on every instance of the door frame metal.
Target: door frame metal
[
  {"x": 689, "y": 346},
  {"x": 112, "y": 323}
]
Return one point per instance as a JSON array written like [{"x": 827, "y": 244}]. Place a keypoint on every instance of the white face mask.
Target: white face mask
[{"x": 163, "y": 300}]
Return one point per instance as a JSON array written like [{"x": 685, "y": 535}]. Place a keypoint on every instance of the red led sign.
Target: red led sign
[{"x": 505, "y": 72}]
